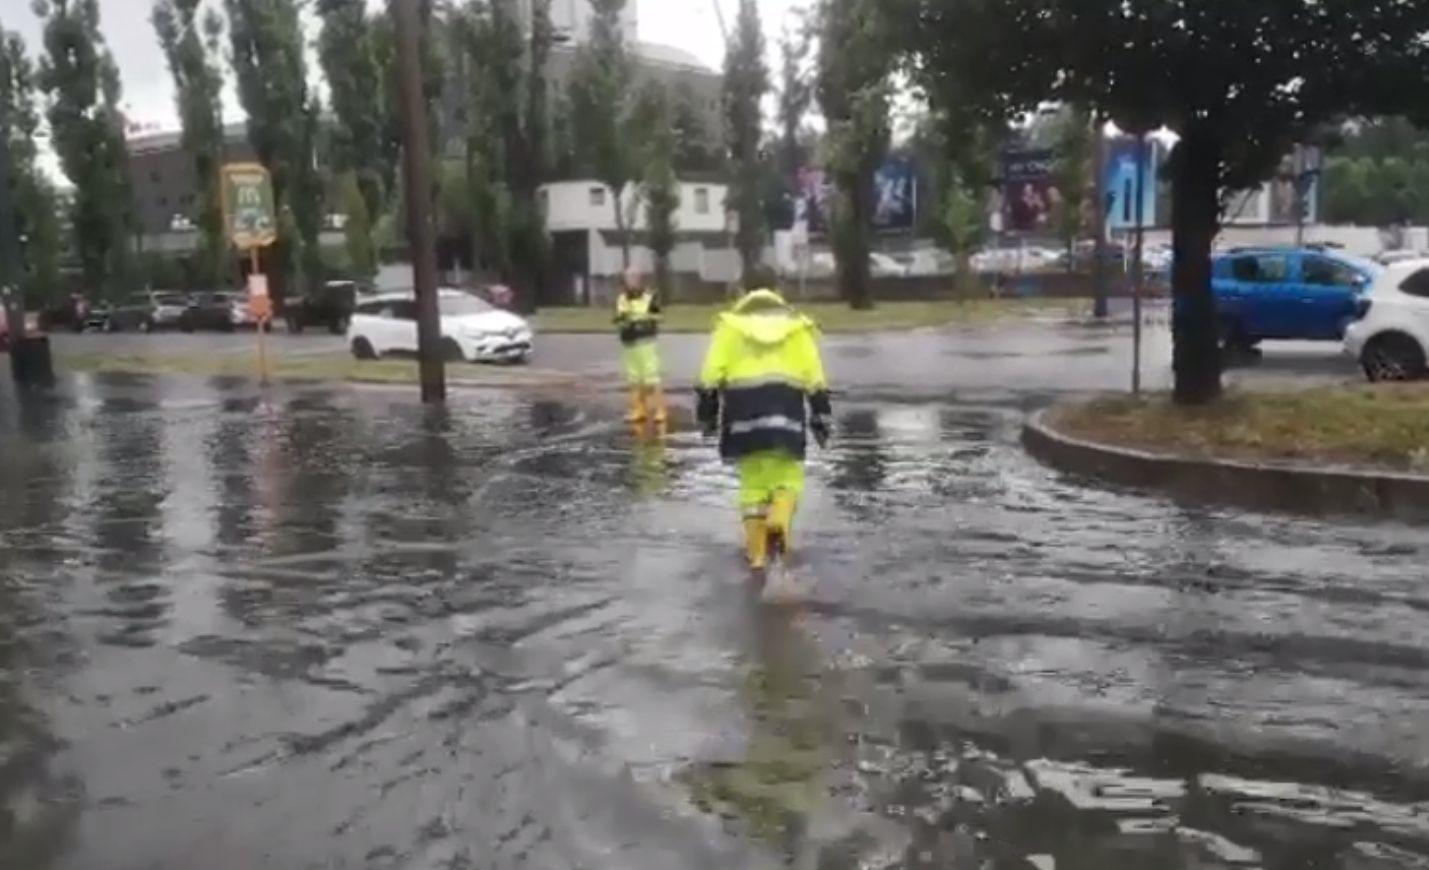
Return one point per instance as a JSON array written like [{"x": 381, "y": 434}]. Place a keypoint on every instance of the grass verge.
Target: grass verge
[
  {"x": 326, "y": 367},
  {"x": 1384, "y": 426},
  {"x": 834, "y": 317}
]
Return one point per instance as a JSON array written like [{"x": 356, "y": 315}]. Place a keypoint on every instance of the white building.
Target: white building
[
  {"x": 571, "y": 19},
  {"x": 580, "y": 215}
]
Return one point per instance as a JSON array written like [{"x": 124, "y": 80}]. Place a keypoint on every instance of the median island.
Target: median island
[
  {"x": 1383, "y": 427},
  {"x": 1348, "y": 450}
]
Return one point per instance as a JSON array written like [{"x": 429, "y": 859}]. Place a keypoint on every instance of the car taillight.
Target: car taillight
[{"x": 1362, "y": 307}]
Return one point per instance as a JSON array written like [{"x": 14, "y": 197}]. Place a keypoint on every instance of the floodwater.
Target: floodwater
[{"x": 329, "y": 628}]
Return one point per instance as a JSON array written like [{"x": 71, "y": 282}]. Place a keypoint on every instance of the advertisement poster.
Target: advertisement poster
[
  {"x": 895, "y": 205},
  {"x": 895, "y": 189},
  {"x": 1120, "y": 179},
  {"x": 1028, "y": 192}
]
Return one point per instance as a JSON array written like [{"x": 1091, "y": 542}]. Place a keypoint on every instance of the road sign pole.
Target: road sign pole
[
  {"x": 1138, "y": 267},
  {"x": 1099, "y": 276},
  {"x": 416, "y": 163},
  {"x": 263, "y": 319}
]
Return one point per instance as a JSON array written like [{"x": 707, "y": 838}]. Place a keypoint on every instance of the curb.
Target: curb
[{"x": 1282, "y": 487}]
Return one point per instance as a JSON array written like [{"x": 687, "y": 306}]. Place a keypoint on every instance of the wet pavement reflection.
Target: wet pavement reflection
[{"x": 330, "y": 628}]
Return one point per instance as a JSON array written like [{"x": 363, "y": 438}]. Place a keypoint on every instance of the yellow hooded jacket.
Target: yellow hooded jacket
[{"x": 764, "y": 369}]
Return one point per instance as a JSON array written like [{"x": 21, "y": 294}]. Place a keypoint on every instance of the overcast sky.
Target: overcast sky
[{"x": 148, "y": 90}]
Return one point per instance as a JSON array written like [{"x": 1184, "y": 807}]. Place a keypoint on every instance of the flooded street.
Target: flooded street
[{"x": 327, "y": 628}]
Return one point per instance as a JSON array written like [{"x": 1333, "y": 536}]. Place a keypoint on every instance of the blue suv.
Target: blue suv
[{"x": 1295, "y": 293}]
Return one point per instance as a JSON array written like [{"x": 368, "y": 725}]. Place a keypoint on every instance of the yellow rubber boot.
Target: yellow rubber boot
[
  {"x": 636, "y": 414},
  {"x": 756, "y": 542},
  {"x": 781, "y": 519},
  {"x": 657, "y": 406}
]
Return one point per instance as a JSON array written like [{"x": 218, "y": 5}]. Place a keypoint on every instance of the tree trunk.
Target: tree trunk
[
  {"x": 1195, "y": 220},
  {"x": 853, "y": 256},
  {"x": 621, "y": 231}
]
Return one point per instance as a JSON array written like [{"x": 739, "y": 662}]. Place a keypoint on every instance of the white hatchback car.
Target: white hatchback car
[
  {"x": 472, "y": 330},
  {"x": 1390, "y": 338}
]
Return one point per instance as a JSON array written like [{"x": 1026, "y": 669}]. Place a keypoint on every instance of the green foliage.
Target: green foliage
[
  {"x": 662, "y": 189},
  {"x": 746, "y": 80},
  {"x": 696, "y": 147},
  {"x": 271, "y": 70},
  {"x": 353, "y": 64},
  {"x": 36, "y": 206},
  {"x": 959, "y": 153},
  {"x": 1240, "y": 82},
  {"x": 1378, "y": 175},
  {"x": 502, "y": 78},
  {"x": 856, "y": 61},
  {"x": 796, "y": 95},
  {"x": 80, "y": 79},
  {"x": 1073, "y": 177},
  {"x": 163, "y": 272},
  {"x": 602, "y": 108},
  {"x": 358, "y": 231},
  {"x": 191, "y": 47}
]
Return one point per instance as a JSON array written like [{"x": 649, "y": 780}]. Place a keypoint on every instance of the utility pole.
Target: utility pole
[
  {"x": 417, "y": 173},
  {"x": 1099, "y": 289}
]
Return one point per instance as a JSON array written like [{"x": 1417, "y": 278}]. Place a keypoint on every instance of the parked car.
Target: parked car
[
  {"x": 1284, "y": 293},
  {"x": 1389, "y": 258},
  {"x": 221, "y": 312},
  {"x": 926, "y": 262},
  {"x": 884, "y": 266},
  {"x": 472, "y": 329},
  {"x": 329, "y": 306},
  {"x": 1390, "y": 336}
]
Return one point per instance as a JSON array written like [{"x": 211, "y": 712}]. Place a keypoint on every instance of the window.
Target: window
[
  {"x": 1417, "y": 284},
  {"x": 597, "y": 196},
  {"x": 372, "y": 309},
  {"x": 1324, "y": 272},
  {"x": 405, "y": 310},
  {"x": 702, "y": 200},
  {"x": 543, "y": 201},
  {"x": 1261, "y": 268}
]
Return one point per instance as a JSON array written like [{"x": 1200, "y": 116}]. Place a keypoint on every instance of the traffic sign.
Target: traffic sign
[{"x": 249, "y": 210}]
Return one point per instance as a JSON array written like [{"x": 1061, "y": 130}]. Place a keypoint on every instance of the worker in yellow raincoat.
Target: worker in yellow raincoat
[
  {"x": 637, "y": 318},
  {"x": 763, "y": 390}
]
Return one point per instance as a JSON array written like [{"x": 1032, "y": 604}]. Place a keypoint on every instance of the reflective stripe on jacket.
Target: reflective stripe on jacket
[
  {"x": 764, "y": 359},
  {"x": 638, "y": 317}
]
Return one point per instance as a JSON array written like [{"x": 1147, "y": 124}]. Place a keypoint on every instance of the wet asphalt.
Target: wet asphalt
[{"x": 324, "y": 627}]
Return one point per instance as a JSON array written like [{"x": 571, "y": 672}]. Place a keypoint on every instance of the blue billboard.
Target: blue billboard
[{"x": 1119, "y": 178}]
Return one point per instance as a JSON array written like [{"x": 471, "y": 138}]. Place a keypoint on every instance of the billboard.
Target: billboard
[
  {"x": 895, "y": 197},
  {"x": 248, "y": 206},
  {"x": 1119, "y": 177},
  {"x": 1028, "y": 193}
]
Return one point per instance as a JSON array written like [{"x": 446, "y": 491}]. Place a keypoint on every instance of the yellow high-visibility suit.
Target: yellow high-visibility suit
[
  {"x": 637, "y": 318},
  {"x": 763, "y": 389}
]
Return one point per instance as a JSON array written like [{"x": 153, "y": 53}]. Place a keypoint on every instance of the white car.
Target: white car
[
  {"x": 884, "y": 266},
  {"x": 927, "y": 263},
  {"x": 1390, "y": 337},
  {"x": 472, "y": 330}
]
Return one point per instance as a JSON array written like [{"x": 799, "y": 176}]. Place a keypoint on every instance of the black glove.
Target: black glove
[
  {"x": 821, "y": 421},
  {"x": 707, "y": 412}
]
